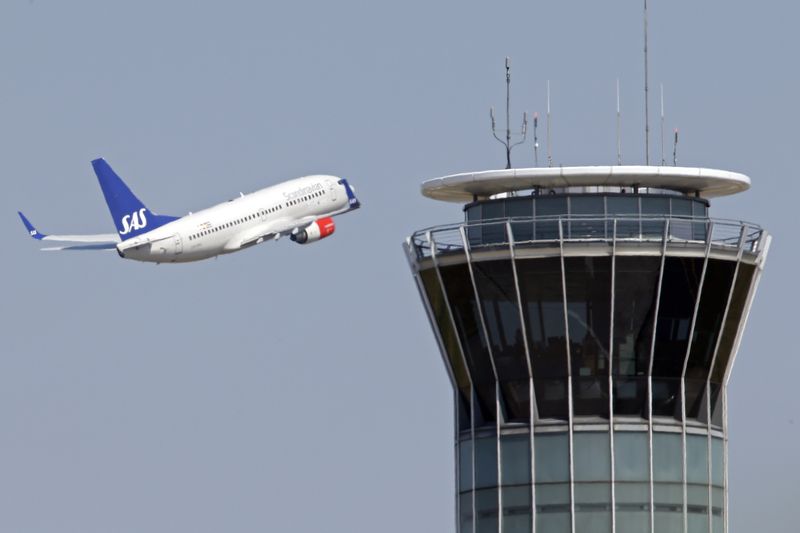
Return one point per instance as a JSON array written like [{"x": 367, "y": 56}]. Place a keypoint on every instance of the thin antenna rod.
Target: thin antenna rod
[
  {"x": 508, "y": 112},
  {"x": 524, "y": 133},
  {"x": 549, "y": 153},
  {"x": 536, "y": 139},
  {"x": 646, "y": 95},
  {"x": 675, "y": 150},
  {"x": 619, "y": 133},
  {"x": 662, "y": 124}
]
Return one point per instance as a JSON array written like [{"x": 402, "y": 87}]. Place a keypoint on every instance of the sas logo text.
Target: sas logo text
[{"x": 133, "y": 222}]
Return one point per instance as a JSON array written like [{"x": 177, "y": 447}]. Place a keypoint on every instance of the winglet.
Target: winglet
[
  {"x": 351, "y": 197},
  {"x": 31, "y": 230}
]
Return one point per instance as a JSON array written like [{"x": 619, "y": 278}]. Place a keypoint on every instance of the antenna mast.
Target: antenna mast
[
  {"x": 507, "y": 142},
  {"x": 646, "y": 95},
  {"x": 675, "y": 150},
  {"x": 549, "y": 154},
  {"x": 662, "y": 124},
  {"x": 535, "y": 139},
  {"x": 619, "y": 133}
]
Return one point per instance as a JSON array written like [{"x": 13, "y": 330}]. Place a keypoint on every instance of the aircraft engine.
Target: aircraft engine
[{"x": 319, "y": 229}]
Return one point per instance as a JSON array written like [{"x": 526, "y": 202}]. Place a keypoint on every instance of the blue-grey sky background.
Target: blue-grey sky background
[{"x": 299, "y": 389}]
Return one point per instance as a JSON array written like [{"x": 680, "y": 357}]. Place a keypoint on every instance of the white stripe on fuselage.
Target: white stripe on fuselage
[{"x": 222, "y": 228}]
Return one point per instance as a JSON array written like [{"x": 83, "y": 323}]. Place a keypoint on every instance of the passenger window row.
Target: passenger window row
[
  {"x": 305, "y": 198},
  {"x": 263, "y": 212},
  {"x": 235, "y": 222}
]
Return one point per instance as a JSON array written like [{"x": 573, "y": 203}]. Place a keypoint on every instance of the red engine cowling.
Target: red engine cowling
[{"x": 319, "y": 229}]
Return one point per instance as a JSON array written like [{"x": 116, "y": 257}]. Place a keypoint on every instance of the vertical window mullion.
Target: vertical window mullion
[
  {"x": 762, "y": 255},
  {"x": 611, "y": 377},
  {"x": 456, "y": 399},
  {"x": 743, "y": 233},
  {"x": 498, "y": 411},
  {"x": 569, "y": 378},
  {"x": 435, "y": 259},
  {"x": 436, "y": 333},
  {"x": 523, "y": 327},
  {"x": 650, "y": 371},
  {"x": 760, "y": 259},
  {"x": 709, "y": 230}
]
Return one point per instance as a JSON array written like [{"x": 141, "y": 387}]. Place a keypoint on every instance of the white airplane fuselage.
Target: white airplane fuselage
[{"x": 284, "y": 209}]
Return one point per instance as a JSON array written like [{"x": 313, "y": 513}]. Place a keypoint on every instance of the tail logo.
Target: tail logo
[{"x": 134, "y": 222}]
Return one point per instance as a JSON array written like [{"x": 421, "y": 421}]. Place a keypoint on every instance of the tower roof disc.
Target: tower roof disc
[{"x": 706, "y": 182}]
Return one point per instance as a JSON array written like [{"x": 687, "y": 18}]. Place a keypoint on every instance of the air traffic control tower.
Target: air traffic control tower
[{"x": 588, "y": 318}]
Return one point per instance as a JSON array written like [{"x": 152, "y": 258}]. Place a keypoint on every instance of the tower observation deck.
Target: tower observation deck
[{"x": 588, "y": 319}]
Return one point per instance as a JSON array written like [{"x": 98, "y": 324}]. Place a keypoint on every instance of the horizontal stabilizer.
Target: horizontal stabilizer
[
  {"x": 102, "y": 241},
  {"x": 102, "y": 246}
]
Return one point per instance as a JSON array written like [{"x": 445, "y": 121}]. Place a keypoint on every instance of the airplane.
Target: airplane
[{"x": 301, "y": 208}]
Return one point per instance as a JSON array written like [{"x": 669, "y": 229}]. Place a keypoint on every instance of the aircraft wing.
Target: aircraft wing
[
  {"x": 105, "y": 241},
  {"x": 273, "y": 230}
]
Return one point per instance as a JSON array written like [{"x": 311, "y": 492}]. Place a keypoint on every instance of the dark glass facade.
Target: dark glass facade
[
  {"x": 534, "y": 217},
  {"x": 590, "y": 205},
  {"x": 565, "y": 321}
]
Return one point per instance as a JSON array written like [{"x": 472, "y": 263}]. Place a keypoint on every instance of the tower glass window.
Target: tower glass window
[{"x": 541, "y": 286}]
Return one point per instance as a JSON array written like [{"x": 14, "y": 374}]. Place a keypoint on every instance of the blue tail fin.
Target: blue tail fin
[{"x": 130, "y": 215}]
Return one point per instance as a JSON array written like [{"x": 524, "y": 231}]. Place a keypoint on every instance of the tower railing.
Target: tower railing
[{"x": 544, "y": 231}]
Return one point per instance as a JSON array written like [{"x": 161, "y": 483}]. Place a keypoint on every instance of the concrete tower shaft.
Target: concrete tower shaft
[{"x": 588, "y": 326}]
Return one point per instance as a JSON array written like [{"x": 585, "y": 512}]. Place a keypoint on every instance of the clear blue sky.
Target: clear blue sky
[{"x": 299, "y": 389}]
